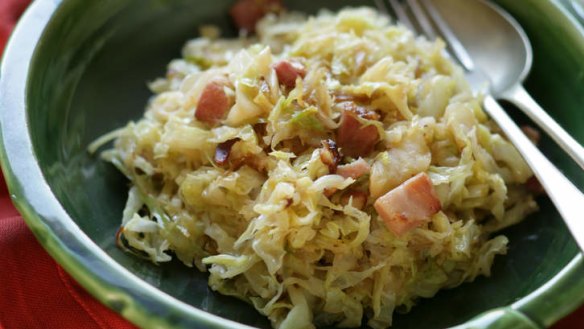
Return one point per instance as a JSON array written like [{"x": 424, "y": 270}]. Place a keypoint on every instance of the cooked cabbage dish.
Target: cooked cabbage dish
[{"x": 328, "y": 170}]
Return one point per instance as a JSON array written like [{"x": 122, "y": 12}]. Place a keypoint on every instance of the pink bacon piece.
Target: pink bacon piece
[
  {"x": 354, "y": 138},
  {"x": 354, "y": 169},
  {"x": 409, "y": 205},
  {"x": 213, "y": 103},
  {"x": 288, "y": 71},
  {"x": 247, "y": 13},
  {"x": 359, "y": 199}
]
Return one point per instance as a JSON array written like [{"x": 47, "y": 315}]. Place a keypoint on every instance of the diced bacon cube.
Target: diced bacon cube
[
  {"x": 353, "y": 137},
  {"x": 354, "y": 169},
  {"x": 534, "y": 186},
  {"x": 409, "y": 205},
  {"x": 246, "y": 13},
  {"x": 358, "y": 199},
  {"x": 213, "y": 103},
  {"x": 288, "y": 72}
]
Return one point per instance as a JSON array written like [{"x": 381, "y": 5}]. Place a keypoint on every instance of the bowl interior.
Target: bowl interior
[{"x": 89, "y": 77}]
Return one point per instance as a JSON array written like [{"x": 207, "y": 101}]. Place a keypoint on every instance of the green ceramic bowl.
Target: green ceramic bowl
[{"x": 77, "y": 69}]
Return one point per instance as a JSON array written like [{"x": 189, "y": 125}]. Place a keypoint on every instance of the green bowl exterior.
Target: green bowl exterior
[{"x": 70, "y": 64}]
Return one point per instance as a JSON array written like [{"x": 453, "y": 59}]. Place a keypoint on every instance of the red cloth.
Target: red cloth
[
  {"x": 35, "y": 292},
  {"x": 10, "y": 11}
]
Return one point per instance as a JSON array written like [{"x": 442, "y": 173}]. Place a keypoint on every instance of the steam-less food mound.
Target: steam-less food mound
[{"x": 329, "y": 169}]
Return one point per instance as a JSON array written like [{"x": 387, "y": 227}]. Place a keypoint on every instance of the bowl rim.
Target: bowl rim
[{"x": 111, "y": 283}]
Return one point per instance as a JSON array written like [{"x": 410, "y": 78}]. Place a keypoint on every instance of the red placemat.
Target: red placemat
[{"x": 35, "y": 292}]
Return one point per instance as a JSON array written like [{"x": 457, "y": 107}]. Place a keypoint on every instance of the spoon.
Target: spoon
[
  {"x": 564, "y": 194},
  {"x": 578, "y": 8},
  {"x": 500, "y": 48}
]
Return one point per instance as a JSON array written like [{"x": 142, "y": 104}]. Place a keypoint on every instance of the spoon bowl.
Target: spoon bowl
[{"x": 502, "y": 49}]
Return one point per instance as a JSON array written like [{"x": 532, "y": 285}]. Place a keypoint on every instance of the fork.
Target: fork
[{"x": 567, "y": 198}]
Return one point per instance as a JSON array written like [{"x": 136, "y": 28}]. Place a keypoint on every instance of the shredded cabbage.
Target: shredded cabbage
[{"x": 272, "y": 222}]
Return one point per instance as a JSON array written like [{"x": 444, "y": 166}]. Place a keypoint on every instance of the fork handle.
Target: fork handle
[
  {"x": 566, "y": 197},
  {"x": 521, "y": 98}
]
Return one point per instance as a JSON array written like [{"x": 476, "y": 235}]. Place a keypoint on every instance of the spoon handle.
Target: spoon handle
[
  {"x": 566, "y": 197},
  {"x": 521, "y": 98}
]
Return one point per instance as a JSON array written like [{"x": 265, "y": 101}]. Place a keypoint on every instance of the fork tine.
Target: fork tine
[
  {"x": 401, "y": 14},
  {"x": 457, "y": 48},
  {"x": 381, "y": 7},
  {"x": 422, "y": 19}
]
